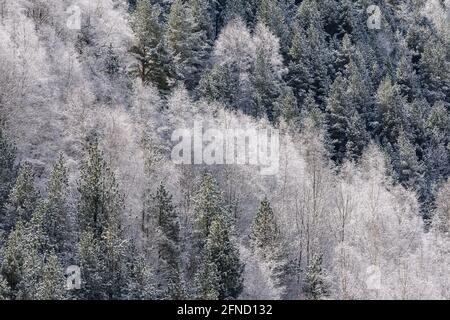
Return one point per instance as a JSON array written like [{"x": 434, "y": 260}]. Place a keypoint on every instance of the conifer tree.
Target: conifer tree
[
  {"x": 168, "y": 244},
  {"x": 271, "y": 14},
  {"x": 345, "y": 127},
  {"x": 177, "y": 34},
  {"x": 390, "y": 105},
  {"x": 149, "y": 48},
  {"x": 92, "y": 267},
  {"x": 7, "y": 172},
  {"x": 22, "y": 198},
  {"x": 407, "y": 79},
  {"x": 23, "y": 260},
  {"x": 265, "y": 231},
  {"x": 309, "y": 55},
  {"x": 51, "y": 286},
  {"x": 208, "y": 203},
  {"x": 407, "y": 165},
  {"x": 315, "y": 286},
  {"x": 13, "y": 258},
  {"x": 268, "y": 244},
  {"x": 4, "y": 289},
  {"x": 289, "y": 108},
  {"x": 267, "y": 73},
  {"x": 224, "y": 255},
  {"x": 100, "y": 202},
  {"x": 101, "y": 251},
  {"x": 112, "y": 65},
  {"x": 234, "y": 9},
  {"x": 56, "y": 220},
  {"x": 434, "y": 65},
  {"x": 140, "y": 280},
  {"x": 207, "y": 281}
]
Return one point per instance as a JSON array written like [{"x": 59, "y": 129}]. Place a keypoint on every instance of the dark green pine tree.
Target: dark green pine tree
[
  {"x": 309, "y": 63},
  {"x": 434, "y": 66},
  {"x": 13, "y": 258},
  {"x": 267, "y": 82},
  {"x": 51, "y": 286},
  {"x": 346, "y": 128},
  {"x": 200, "y": 41},
  {"x": 311, "y": 110},
  {"x": 177, "y": 35},
  {"x": 100, "y": 202},
  {"x": 407, "y": 79},
  {"x": 92, "y": 268},
  {"x": 201, "y": 18},
  {"x": 112, "y": 64},
  {"x": 30, "y": 271},
  {"x": 234, "y": 9},
  {"x": 309, "y": 54},
  {"x": 407, "y": 165},
  {"x": 265, "y": 231},
  {"x": 271, "y": 14},
  {"x": 315, "y": 285},
  {"x": 390, "y": 105},
  {"x": 140, "y": 284},
  {"x": 188, "y": 43},
  {"x": 168, "y": 245},
  {"x": 269, "y": 245},
  {"x": 101, "y": 249},
  {"x": 221, "y": 252},
  {"x": 207, "y": 281},
  {"x": 208, "y": 204},
  {"x": 103, "y": 264},
  {"x": 149, "y": 48},
  {"x": 7, "y": 170},
  {"x": 56, "y": 220},
  {"x": 4, "y": 289},
  {"x": 22, "y": 198},
  {"x": 288, "y": 107}
]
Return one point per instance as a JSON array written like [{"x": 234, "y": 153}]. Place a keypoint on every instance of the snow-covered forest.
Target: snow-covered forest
[{"x": 91, "y": 91}]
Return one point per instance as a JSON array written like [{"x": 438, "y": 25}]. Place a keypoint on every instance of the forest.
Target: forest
[{"x": 93, "y": 207}]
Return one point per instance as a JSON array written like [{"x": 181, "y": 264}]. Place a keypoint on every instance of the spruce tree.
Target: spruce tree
[
  {"x": 269, "y": 245},
  {"x": 310, "y": 57},
  {"x": 149, "y": 48},
  {"x": 288, "y": 107},
  {"x": 315, "y": 286},
  {"x": 208, "y": 204},
  {"x": 224, "y": 255},
  {"x": 100, "y": 202},
  {"x": 23, "y": 260},
  {"x": 346, "y": 128},
  {"x": 168, "y": 244},
  {"x": 177, "y": 34},
  {"x": 101, "y": 251},
  {"x": 22, "y": 198},
  {"x": 267, "y": 73},
  {"x": 13, "y": 258},
  {"x": 207, "y": 281},
  {"x": 56, "y": 220},
  {"x": 140, "y": 280},
  {"x": 234, "y": 9},
  {"x": 4, "y": 289},
  {"x": 390, "y": 105},
  {"x": 51, "y": 286},
  {"x": 270, "y": 13},
  {"x": 265, "y": 231},
  {"x": 92, "y": 267},
  {"x": 407, "y": 165},
  {"x": 7, "y": 172},
  {"x": 112, "y": 64}
]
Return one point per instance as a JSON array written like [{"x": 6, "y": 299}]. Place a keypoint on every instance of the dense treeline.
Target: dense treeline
[{"x": 85, "y": 171}]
